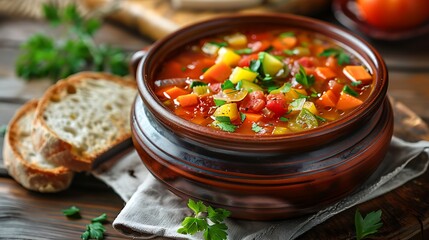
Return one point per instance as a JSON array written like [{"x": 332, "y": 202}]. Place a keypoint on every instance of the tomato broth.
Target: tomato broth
[{"x": 263, "y": 82}]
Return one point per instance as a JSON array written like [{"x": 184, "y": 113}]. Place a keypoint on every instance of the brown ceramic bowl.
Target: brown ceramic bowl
[{"x": 261, "y": 177}]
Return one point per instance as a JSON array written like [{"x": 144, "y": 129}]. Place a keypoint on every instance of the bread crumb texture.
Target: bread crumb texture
[{"x": 91, "y": 113}]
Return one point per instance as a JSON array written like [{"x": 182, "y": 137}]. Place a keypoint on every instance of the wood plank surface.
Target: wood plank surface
[{"x": 30, "y": 215}]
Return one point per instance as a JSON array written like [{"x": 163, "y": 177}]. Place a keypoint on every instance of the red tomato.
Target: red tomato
[
  {"x": 245, "y": 60},
  {"x": 254, "y": 102},
  {"x": 277, "y": 103},
  {"x": 394, "y": 14}
]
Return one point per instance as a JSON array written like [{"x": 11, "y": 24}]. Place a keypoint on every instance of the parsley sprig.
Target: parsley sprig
[
  {"x": 207, "y": 220},
  {"x": 304, "y": 79},
  {"x": 72, "y": 211},
  {"x": 58, "y": 57},
  {"x": 224, "y": 123},
  {"x": 368, "y": 225},
  {"x": 339, "y": 54}
]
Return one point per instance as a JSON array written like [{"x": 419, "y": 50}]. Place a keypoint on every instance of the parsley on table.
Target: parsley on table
[
  {"x": 304, "y": 79},
  {"x": 56, "y": 58},
  {"x": 368, "y": 225},
  {"x": 94, "y": 230},
  {"x": 72, "y": 211},
  {"x": 339, "y": 54},
  {"x": 102, "y": 218},
  {"x": 207, "y": 220}
]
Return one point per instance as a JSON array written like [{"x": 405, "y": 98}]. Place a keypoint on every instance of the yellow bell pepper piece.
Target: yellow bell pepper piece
[
  {"x": 280, "y": 130},
  {"x": 242, "y": 74},
  {"x": 294, "y": 93},
  {"x": 311, "y": 107},
  {"x": 237, "y": 40},
  {"x": 228, "y": 56},
  {"x": 227, "y": 110}
]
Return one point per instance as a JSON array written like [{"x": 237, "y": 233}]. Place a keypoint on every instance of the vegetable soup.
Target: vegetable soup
[{"x": 263, "y": 82}]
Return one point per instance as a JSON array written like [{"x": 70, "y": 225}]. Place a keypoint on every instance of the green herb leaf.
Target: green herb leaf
[
  {"x": 102, "y": 218},
  {"x": 60, "y": 56},
  {"x": 304, "y": 79},
  {"x": 219, "y": 102},
  {"x": 297, "y": 104},
  {"x": 244, "y": 51},
  {"x": 225, "y": 126},
  {"x": 239, "y": 85},
  {"x": 213, "y": 230},
  {"x": 94, "y": 231},
  {"x": 320, "y": 118},
  {"x": 255, "y": 65},
  {"x": 72, "y": 211},
  {"x": 356, "y": 83},
  {"x": 216, "y": 231},
  {"x": 368, "y": 225},
  {"x": 227, "y": 85},
  {"x": 289, "y": 52},
  {"x": 285, "y": 88},
  {"x": 242, "y": 116},
  {"x": 256, "y": 128},
  {"x": 197, "y": 83},
  {"x": 287, "y": 34},
  {"x": 339, "y": 54},
  {"x": 350, "y": 91},
  {"x": 220, "y": 44},
  {"x": 3, "y": 130},
  {"x": 284, "y": 119},
  {"x": 198, "y": 207}
]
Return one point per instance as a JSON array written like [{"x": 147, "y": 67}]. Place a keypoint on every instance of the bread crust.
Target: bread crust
[
  {"x": 57, "y": 150},
  {"x": 28, "y": 174}
]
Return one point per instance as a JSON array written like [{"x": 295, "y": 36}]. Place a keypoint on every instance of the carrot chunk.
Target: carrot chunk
[
  {"x": 253, "y": 117},
  {"x": 174, "y": 92},
  {"x": 187, "y": 100},
  {"x": 357, "y": 73},
  {"x": 325, "y": 73},
  {"x": 328, "y": 99},
  {"x": 218, "y": 72},
  {"x": 347, "y": 101}
]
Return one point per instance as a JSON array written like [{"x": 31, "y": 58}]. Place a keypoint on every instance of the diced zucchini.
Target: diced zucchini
[
  {"x": 297, "y": 104},
  {"x": 270, "y": 64},
  {"x": 239, "y": 74},
  {"x": 306, "y": 119},
  {"x": 201, "y": 90},
  {"x": 228, "y": 56},
  {"x": 310, "y": 107},
  {"x": 231, "y": 95},
  {"x": 210, "y": 48},
  {"x": 250, "y": 86},
  {"x": 227, "y": 110},
  {"x": 237, "y": 40}
]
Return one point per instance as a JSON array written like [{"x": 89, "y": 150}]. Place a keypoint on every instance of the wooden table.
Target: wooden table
[{"x": 29, "y": 215}]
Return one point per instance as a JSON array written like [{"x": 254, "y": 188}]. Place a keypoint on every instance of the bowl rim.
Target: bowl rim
[{"x": 361, "y": 49}]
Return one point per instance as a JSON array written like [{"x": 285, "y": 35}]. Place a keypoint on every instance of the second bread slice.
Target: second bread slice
[{"x": 82, "y": 117}]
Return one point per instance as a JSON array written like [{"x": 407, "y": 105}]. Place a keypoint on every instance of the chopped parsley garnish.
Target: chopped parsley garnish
[
  {"x": 339, "y": 54},
  {"x": 298, "y": 103},
  {"x": 255, "y": 65},
  {"x": 242, "y": 116},
  {"x": 239, "y": 85},
  {"x": 220, "y": 44},
  {"x": 224, "y": 123},
  {"x": 183, "y": 69},
  {"x": 204, "y": 69},
  {"x": 289, "y": 52},
  {"x": 256, "y": 128},
  {"x": 368, "y": 225},
  {"x": 320, "y": 118},
  {"x": 285, "y": 88},
  {"x": 227, "y": 85},
  {"x": 350, "y": 91},
  {"x": 287, "y": 34},
  {"x": 284, "y": 119},
  {"x": 72, "y": 211},
  {"x": 207, "y": 220},
  {"x": 244, "y": 51},
  {"x": 219, "y": 102},
  {"x": 197, "y": 83},
  {"x": 304, "y": 79},
  {"x": 356, "y": 83}
]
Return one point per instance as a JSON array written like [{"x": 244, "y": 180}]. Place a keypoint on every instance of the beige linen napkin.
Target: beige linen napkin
[{"x": 153, "y": 211}]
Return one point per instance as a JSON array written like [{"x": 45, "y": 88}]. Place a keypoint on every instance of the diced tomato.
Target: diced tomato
[
  {"x": 335, "y": 87},
  {"x": 261, "y": 36},
  {"x": 245, "y": 60},
  {"x": 307, "y": 62},
  {"x": 277, "y": 103},
  {"x": 215, "y": 87},
  {"x": 206, "y": 104},
  {"x": 254, "y": 102},
  {"x": 259, "y": 45}
]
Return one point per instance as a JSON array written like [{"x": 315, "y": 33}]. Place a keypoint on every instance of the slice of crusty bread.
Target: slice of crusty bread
[
  {"x": 82, "y": 117},
  {"x": 24, "y": 164}
]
